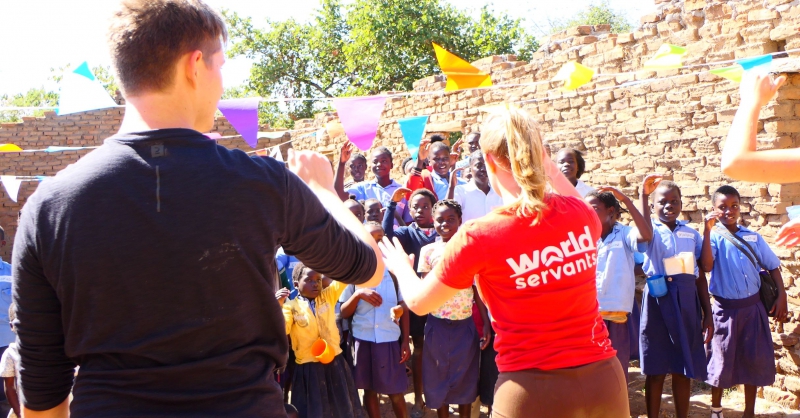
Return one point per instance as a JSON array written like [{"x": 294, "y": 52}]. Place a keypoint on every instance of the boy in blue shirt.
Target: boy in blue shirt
[{"x": 741, "y": 351}]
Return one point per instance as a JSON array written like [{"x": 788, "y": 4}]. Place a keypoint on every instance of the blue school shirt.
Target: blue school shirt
[
  {"x": 5, "y": 268},
  {"x": 616, "y": 279},
  {"x": 372, "y": 190},
  {"x": 6, "y": 335},
  {"x": 666, "y": 244},
  {"x": 372, "y": 323},
  {"x": 287, "y": 262},
  {"x": 442, "y": 185},
  {"x": 733, "y": 275}
]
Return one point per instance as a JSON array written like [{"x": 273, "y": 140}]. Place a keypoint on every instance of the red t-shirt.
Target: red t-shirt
[{"x": 538, "y": 283}]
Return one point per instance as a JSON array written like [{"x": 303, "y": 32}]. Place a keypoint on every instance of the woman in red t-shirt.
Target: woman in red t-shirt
[{"x": 534, "y": 260}]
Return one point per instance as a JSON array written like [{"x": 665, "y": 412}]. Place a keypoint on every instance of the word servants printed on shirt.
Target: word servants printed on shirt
[{"x": 574, "y": 255}]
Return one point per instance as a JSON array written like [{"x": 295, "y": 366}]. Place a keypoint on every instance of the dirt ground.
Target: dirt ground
[{"x": 732, "y": 402}]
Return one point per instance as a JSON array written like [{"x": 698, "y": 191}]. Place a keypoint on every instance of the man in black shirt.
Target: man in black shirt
[{"x": 150, "y": 263}]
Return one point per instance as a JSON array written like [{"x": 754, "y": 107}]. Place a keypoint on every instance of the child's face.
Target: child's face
[
  {"x": 667, "y": 204},
  {"x": 381, "y": 165},
  {"x": 376, "y": 232},
  {"x": 310, "y": 284},
  {"x": 374, "y": 211},
  {"x": 728, "y": 206},
  {"x": 478, "y": 169},
  {"x": 420, "y": 209},
  {"x": 441, "y": 162},
  {"x": 356, "y": 208},
  {"x": 358, "y": 168},
  {"x": 567, "y": 164},
  {"x": 474, "y": 143},
  {"x": 608, "y": 216},
  {"x": 446, "y": 222}
]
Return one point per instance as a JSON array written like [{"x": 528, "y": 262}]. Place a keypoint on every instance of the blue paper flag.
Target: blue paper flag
[
  {"x": 59, "y": 149},
  {"x": 84, "y": 70},
  {"x": 749, "y": 63},
  {"x": 42, "y": 178},
  {"x": 413, "y": 128}
]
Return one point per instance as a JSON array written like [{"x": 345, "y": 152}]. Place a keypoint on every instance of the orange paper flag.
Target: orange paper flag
[
  {"x": 460, "y": 74},
  {"x": 9, "y": 148}
]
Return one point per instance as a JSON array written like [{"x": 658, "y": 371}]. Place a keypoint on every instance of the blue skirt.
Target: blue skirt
[
  {"x": 326, "y": 391},
  {"x": 671, "y": 332},
  {"x": 634, "y": 321},
  {"x": 620, "y": 336},
  {"x": 450, "y": 362},
  {"x": 741, "y": 351}
]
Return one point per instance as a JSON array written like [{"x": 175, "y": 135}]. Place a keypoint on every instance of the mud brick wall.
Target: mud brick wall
[{"x": 674, "y": 126}]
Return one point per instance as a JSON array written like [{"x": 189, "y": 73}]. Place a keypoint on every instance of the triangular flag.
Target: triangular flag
[
  {"x": 59, "y": 149},
  {"x": 263, "y": 152},
  {"x": 334, "y": 129},
  {"x": 733, "y": 73},
  {"x": 272, "y": 135},
  {"x": 276, "y": 154},
  {"x": 318, "y": 135},
  {"x": 80, "y": 92},
  {"x": 243, "y": 115},
  {"x": 9, "y": 148},
  {"x": 460, "y": 74},
  {"x": 42, "y": 178},
  {"x": 413, "y": 129},
  {"x": 215, "y": 136},
  {"x": 750, "y": 63},
  {"x": 11, "y": 184},
  {"x": 360, "y": 117},
  {"x": 667, "y": 57},
  {"x": 574, "y": 75}
]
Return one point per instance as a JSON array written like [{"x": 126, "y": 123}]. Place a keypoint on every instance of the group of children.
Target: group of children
[{"x": 679, "y": 331}]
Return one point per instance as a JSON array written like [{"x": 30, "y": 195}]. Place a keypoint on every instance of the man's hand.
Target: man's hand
[
  {"x": 650, "y": 183},
  {"x": 281, "y": 295},
  {"x": 313, "y": 168},
  {"x": 758, "y": 89}
]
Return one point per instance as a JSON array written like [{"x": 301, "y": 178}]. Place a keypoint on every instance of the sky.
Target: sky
[{"x": 45, "y": 34}]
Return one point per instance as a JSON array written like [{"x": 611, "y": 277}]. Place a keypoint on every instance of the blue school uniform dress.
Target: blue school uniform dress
[
  {"x": 671, "y": 332},
  {"x": 377, "y": 364},
  {"x": 741, "y": 351},
  {"x": 616, "y": 285}
]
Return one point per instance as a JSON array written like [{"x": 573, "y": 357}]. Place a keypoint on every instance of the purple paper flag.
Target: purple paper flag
[
  {"x": 748, "y": 63},
  {"x": 360, "y": 117},
  {"x": 243, "y": 115}
]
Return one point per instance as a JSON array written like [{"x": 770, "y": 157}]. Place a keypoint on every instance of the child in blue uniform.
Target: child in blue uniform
[
  {"x": 741, "y": 351},
  {"x": 671, "y": 337},
  {"x": 616, "y": 278}
]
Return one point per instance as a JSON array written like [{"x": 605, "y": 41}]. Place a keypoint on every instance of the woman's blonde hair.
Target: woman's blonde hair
[{"x": 511, "y": 136}]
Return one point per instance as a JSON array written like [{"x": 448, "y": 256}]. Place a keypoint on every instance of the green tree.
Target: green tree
[
  {"x": 35, "y": 97},
  {"x": 596, "y": 14},
  {"x": 364, "y": 48}
]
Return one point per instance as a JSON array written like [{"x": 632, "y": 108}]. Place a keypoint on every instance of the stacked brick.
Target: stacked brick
[{"x": 675, "y": 126}]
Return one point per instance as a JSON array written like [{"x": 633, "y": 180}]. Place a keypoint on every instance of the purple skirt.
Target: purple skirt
[
  {"x": 741, "y": 351},
  {"x": 634, "y": 321},
  {"x": 450, "y": 362},
  {"x": 378, "y": 368},
  {"x": 620, "y": 336},
  {"x": 671, "y": 333},
  {"x": 326, "y": 391}
]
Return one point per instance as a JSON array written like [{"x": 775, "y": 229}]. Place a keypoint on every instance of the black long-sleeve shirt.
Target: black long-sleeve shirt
[
  {"x": 151, "y": 264},
  {"x": 411, "y": 237}
]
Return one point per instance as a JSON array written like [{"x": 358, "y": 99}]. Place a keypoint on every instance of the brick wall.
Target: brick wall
[{"x": 674, "y": 126}]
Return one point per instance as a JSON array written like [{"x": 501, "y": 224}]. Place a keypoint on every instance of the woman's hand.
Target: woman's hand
[
  {"x": 758, "y": 89},
  {"x": 789, "y": 235},
  {"x": 394, "y": 257}
]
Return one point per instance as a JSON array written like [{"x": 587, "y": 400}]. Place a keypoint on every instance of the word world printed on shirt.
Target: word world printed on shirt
[{"x": 573, "y": 256}]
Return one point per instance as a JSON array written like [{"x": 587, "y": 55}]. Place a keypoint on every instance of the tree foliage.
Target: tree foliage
[
  {"x": 364, "y": 48},
  {"x": 596, "y": 14}
]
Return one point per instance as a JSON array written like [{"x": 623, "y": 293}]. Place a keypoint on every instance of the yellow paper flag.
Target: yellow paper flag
[
  {"x": 460, "y": 74},
  {"x": 667, "y": 57},
  {"x": 9, "y": 148},
  {"x": 574, "y": 75},
  {"x": 733, "y": 73}
]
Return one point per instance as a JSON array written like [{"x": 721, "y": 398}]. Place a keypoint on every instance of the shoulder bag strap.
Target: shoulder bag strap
[
  {"x": 752, "y": 251},
  {"x": 737, "y": 242}
]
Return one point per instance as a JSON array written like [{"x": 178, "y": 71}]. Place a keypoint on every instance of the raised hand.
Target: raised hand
[
  {"x": 616, "y": 192},
  {"x": 424, "y": 147},
  {"x": 711, "y": 218},
  {"x": 345, "y": 152},
  {"x": 650, "y": 183},
  {"x": 393, "y": 255},
  {"x": 281, "y": 295},
  {"x": 312, "y": 167},
  {"x": 457, "y": 146},
  {"x": 789, "y": 235},
  {"x": 758, "y": 88},
  {"x": 400, "y": 194},
  {"x": 454, "y": 176}
]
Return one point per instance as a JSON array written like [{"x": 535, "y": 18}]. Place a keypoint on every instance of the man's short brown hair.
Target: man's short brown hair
[{"x": 147, "y": 38}]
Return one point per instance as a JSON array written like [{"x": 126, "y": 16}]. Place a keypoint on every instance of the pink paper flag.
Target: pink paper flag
[
  {"x": 243, "y": 115},
  {"x": 360, "y": 117}
]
